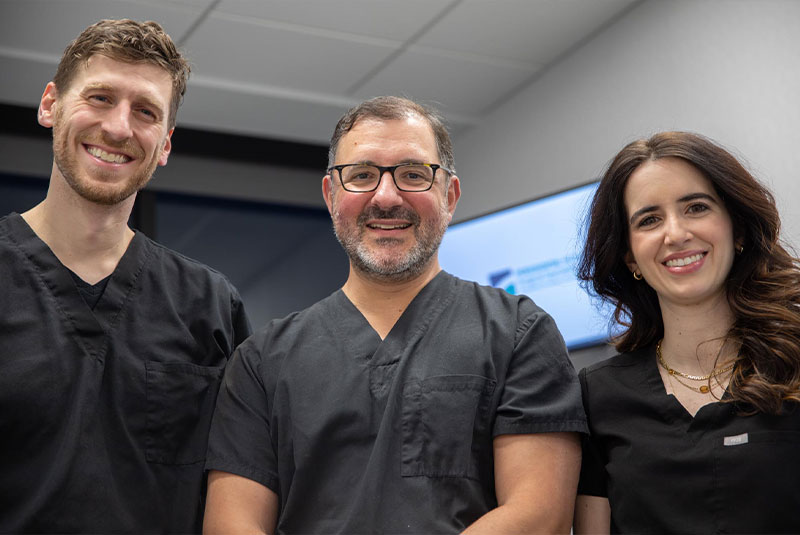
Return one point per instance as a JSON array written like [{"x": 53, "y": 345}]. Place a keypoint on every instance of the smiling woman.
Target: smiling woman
[
  {"x": 703, "y": 398},
  {"x": 681, "y": 236}
]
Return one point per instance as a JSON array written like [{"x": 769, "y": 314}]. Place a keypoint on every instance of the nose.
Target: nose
[
  {"x": 676, "y": 231},
  {"x": 387, "y": 194},
  {"x": 116, "y": 124}
]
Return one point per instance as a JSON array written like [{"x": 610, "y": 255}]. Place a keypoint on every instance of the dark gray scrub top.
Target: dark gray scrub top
[
  {"x": 666, "y": 472},
  {"x": 359, "y": 435},
  {"x": 105, "y": 413}
]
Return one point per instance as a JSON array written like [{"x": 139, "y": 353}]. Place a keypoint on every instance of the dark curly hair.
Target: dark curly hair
[{"x": 763, "y": 286}]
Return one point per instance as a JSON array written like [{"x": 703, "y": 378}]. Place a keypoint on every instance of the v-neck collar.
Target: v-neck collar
[
  {"x": 672, "y": 409},
  {"x": 409, "y": 327},
  {"x": 92, "y": 329}
]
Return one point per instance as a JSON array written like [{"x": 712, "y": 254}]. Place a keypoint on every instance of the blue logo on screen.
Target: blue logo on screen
[{"x": 496, "y": 278}]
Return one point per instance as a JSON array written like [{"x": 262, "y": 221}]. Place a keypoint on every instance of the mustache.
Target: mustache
[
  {"x": 397, "y": 212},
  {"x": 126, "y": 146}
]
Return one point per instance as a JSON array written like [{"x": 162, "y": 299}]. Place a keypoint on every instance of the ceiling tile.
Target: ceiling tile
[
  {"x": 450, "y": 82},
  {"x": 270, "y": 114},
  {"x": 285, "y": 69},
  {"x": 47, "y": 27},
  {"x": 209, "y": 106},
  {"x": 249, "y": 53},
  {"x": 386, "y": 19},
  {"x": 535, "y": 31}
]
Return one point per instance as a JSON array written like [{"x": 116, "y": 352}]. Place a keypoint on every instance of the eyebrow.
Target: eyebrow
[
  {"x": 94, "y": 86},
  {"x": 404, "y": 162},
  {"x": 685, "y": 198}
]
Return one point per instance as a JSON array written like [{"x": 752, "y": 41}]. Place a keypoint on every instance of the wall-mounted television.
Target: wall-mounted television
[{"x": 532, "y": 248}]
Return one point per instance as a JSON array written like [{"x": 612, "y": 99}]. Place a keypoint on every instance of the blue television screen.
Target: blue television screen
[{"x": 532, "y": 249}]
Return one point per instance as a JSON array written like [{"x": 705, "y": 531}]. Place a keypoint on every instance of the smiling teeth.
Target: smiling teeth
[
  {"x": 388, "y": 227},
  {"x": 684, "y": 261},
  {"x": 106, "y": 156}
]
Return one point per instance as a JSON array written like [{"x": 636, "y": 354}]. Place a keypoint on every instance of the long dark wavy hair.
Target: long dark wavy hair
[{"x": 763, "y": 286}]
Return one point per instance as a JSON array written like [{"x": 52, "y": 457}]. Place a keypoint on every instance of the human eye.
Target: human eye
[
  {"x": 148, "y": 113},
  {"x": 414, "y": 173},
  {"x": 359, "y": 173},
  {"x": 697, "y": 208},
  {"x": 647, "y": 221},
  {"x": 100, "y": 98}
]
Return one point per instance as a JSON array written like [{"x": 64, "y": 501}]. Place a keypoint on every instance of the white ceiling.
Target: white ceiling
[{"x": 287, "y": 69}]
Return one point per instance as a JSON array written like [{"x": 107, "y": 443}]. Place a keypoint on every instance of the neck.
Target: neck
[
  {"x": 694, "y": 335},
  {"x": 383, "y": 302},
  {"x": 86, "y": 237}
]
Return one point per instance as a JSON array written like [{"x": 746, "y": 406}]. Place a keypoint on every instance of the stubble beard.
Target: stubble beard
[
  {"x": 105, "y": 194},
  {"x": 389, "y": 267}
]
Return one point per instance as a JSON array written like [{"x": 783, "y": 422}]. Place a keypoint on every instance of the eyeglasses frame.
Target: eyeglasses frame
[{"x": 391, "y": 168}]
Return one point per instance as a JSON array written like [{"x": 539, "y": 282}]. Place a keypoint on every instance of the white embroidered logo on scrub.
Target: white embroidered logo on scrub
[{"x": 736, "y": 440}]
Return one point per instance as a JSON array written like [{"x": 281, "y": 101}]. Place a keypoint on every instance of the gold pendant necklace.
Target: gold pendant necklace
[{"x": 702, "y": 389}]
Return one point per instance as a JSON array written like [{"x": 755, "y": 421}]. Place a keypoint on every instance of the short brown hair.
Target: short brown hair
[
  {"x": 130, "y": 41},
  {"x": 390, "y": 108}
]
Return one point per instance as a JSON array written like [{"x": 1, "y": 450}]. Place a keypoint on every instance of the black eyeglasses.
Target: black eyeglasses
[{"x": 363, "y": 178}]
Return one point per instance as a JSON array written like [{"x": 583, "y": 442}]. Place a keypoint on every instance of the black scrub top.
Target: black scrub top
[
  {"x": 666, "y": 472},
  {"x": 359, "y": 435},
  {"x": 105, "y": 413}
]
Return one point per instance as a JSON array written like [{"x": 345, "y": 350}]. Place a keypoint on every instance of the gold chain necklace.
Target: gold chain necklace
[{"x": 702, "y": 389}]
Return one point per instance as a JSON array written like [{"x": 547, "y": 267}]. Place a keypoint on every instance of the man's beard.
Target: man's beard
[
  {"x": 101, "y": 193},
  {"x": 388, "y": 267}
]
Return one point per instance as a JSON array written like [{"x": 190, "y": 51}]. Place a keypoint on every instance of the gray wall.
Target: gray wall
[{"x": 729, "y": 69}]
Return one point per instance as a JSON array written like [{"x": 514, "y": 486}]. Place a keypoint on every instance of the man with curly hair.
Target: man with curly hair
[{"x": 111, "y": 346}]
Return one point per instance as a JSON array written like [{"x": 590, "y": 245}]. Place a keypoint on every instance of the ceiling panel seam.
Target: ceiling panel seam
[
  {"x": 472, "y": 57},
  {"x": 493, "y": 106},
  {"x": 403, "y": 47},
  {"x": 30, "y": 55},
  {"x": 307, "y": 30},
  {"x": 197, "y": 22}
]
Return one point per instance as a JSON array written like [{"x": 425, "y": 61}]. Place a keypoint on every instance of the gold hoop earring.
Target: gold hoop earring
[
  {"x": 637, "y": 276},
  {"x": 739, "y": 249}
]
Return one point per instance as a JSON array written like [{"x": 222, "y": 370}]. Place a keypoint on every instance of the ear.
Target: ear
[
  {"x": 453, "y": 194},
  {"x": 166, "y": 149},
  {"x": 631, "y": 263},
  {"x": 47, "y": 106},
  {"x": 327, "y": 194}
]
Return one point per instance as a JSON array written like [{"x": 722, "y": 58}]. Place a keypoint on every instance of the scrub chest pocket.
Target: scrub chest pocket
[
  {"x": 758, "y": 471},
  {"x": 445, "y": 426},
  {"x": 180, "y": 403}
]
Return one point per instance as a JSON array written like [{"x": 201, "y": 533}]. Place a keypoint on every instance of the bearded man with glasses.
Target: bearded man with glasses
[{"x": 409, "y": 401}]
